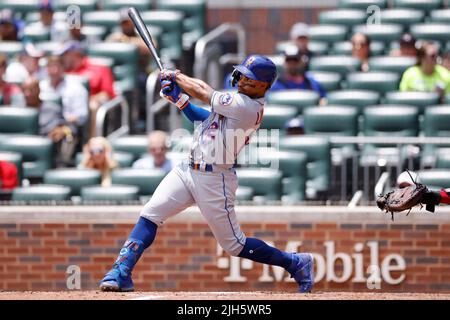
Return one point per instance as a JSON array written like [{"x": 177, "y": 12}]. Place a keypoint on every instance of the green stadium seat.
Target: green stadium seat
[
  {"x": 171, "y": 23},
  {"x": 10, "y": 48},
  {"x": 140, "y": 5},
  {"x": 124, "y": 159},
  {"x": 318, "y": 164},
  {"x": 331, "y": 120},
  {"x": 73, "y": 178},
  {"x": 447, "y": 98},
  {"x": 357, "y": 98},
  {"x": 49, "y": 47},
  {"x": 296, "y": 98},
  {"x": 264, "y": 182},
  {"x": 328, "y": 33},
  {"x": 436, "y": 123},
  {"x": 425, "y": 5},
  {"x": 340, "y": 64},
  {"x": 362, "y": 4},
  {"x": 345, "y": 48},
  {"x": 16, "y": 159},
  {"x": 418, "y": 99},
  {"x": 276, "y": 116},
  {"x": 443, "y": 158},
  {"x": 35, "y": 16},
  {"x": 146, "y": 180},
  {"x": 35, "y": 33},
  {"x": 94, "y": 32},
  {"x": 111, "y": 194},
  {"x": 136, "y": 145},
  {"x": 84, "y": 5},
  {"x": 37, "y": 153},
  {"x": 345, "y": 17},
  {"x": 41, "y": 193},
  {"x": 392, "y": 64},
  {"x": 328, "y": 80},
  {"x": 380, "y": 32},
  {"x": 244, "y": 193},
  {"x": 379, "y": 81},
  {"x": 23, "y": 6},
  {"x": 19, "y": 120},
  {"x": 317, "y": 48},
  {"x": 435, "y": 178},
  {"x": 440, "y": 16},
  {"x": 431, "y": 31},
  {"x": 403, "y": 17},
  {"x": 194, "y": 24},
  {"x": 106, "y": 18}
]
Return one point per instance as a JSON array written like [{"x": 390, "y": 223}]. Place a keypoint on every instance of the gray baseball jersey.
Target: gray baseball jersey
[{"x": 217, "y": 142}]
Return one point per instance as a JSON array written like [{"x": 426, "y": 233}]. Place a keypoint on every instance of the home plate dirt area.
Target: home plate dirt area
[{"x": 98, "y": 295}]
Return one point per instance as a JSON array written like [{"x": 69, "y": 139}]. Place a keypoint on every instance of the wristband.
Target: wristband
[{"x": 183, "y": 101}]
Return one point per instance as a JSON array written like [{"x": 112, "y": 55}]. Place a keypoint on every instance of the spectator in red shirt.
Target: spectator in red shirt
[
  {"x": 8, "y": 91},
  {"x": 101, "y": 79}
]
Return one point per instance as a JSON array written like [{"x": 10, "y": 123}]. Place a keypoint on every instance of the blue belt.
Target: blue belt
[{"x": 198, "y": 166}]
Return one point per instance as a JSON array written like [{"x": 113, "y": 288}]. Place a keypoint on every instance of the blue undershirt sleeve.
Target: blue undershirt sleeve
[{"x": 195, "y": 113}]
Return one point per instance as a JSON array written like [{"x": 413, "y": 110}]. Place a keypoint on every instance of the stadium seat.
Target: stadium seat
[
  {"x": 327, "y": 33},
  {"x": 194, "y": 18},
  {"x": 35, "y": 16},
  {"x": 447, "y": 98},
  {"x": 124, "y": 159},
  {"x": 23, "y": 6},
  {"x": 318, "y": 164},
  {"x": 379, "y": 81},
  {"x": 436, "y": 123},
  {"x": 380, "y": 32},
  {"x": 414, "y": 98},
  {"x": 392, "y": 64},
  {"x": 49, "y": 47},
  {"x": 111, "y": 194},
  {"x": 404, "y": 17},
  {"x": 340, "y": 64},
  {"x": 357, "y": 98},
  {"x": 443, "y": 158},
  {"x": 328, "y": 80},
  {"x": 136, "y": 145},
  {"x": 440, "y": 16},
  {"x": 106, "y": 18},
  {"x": 84, "y": 5},
  {"x": 16, "y": 159},
  {"x": 317, "y": 48},
  {"x": 10, "y": 48},
  {"x": 37, "y": 153},
  {"x": 345, "y": 48},
  {"x": 171, "y": 23},
  {"x": 425, "y": 5},
  {"x": 264, "y": 182},
  {"x": 146, "y": 180},
  {"x": 19, "y": 120},
  {"x": 434, "y": 178},
  {"x": 345, "y": 17},
  {"x": 276, "y": 116},
  {"x": 140, "y": 5},
  {"x": 35, "y": 33},
  {"x": 94, "y": 33},
  {"x": 331, "y": 120},
  {"x": 431, "y": 31},
  {"x": 43, "y": 192},
  {"x": 73, "y": 178},
  {"x": 297, "y": 98},
  {"x": 244, "y": 193},
  {"x": 362, "y": 4}
]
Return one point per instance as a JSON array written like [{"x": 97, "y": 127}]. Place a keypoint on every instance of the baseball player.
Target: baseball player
[{"x": 208, "y": 177}]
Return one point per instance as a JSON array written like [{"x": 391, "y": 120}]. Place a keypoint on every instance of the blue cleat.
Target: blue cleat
[{"x": 302, "y": 270}]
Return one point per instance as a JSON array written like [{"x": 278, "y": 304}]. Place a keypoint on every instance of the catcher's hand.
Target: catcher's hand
[{"x": 405, "y": 198}]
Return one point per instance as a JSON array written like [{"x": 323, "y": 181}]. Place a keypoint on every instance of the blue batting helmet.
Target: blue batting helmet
[{"x": 255, "y": 67}]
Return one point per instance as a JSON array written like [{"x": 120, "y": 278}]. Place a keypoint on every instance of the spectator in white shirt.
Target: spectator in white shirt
[
  {"x": 157, "y": 156},
  {"x": 26, "y": 66}
]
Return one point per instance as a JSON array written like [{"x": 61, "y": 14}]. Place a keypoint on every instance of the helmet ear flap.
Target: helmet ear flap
[{"x": 235, "y": 76}]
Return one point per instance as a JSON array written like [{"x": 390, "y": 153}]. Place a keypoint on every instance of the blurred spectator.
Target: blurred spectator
[
  {"x": 52, "y": 122},
  {"x": 445, "y": 62},
  {"x": 300, "y": 37},
  {"x": 9, "y": 27},
  {"x": 295, "y": 126},
  {"x": 407, "y": 47},
  {"x": 97, "y": 154},
  {"x": 157, "y": 150},
  {"x": 101, "y": 79},
  {"x": 361, "y": 49},
  {"x": 74, "y": 97},
  {"x": 9, "y": 93},
  {"x": 58, "y": 29},
  {"x": 426, "y": 75},
  {"x": 26, "y": 66},
  {"x": 295, "y": 75}
]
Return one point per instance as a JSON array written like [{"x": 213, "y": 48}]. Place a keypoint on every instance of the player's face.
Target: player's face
[{"x": 252, "y": 88}]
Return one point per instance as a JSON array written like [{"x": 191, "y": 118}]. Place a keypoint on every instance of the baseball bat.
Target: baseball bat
[{"x": 144, "y": 33}]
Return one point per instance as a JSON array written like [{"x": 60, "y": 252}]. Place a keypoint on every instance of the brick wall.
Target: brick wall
[{"x": 36, "y": 255}]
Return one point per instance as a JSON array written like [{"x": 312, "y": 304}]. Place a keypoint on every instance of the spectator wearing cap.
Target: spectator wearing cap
[
  {"x": 74, "y": 96},
  {"x": 407, "y": 47},
  {"x": 157, "y": 153},
  {"x": 295, "y": 126},
  {"x": 58, "y": 29},
  {"x": 10, "y": 94},
  {"x": 299, "y": 35},
  {"x": 361, "y": 49},
  {"x": 295, "y": 75},
  {"x": 52, "y": 122},
  {"x": 26, "y": 66},
  {"x": 101, "y": 79},
  {"x": 9, "y": 27}
]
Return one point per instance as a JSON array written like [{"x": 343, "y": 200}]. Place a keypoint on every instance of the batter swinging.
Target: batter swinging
[{"x": 208, "y": 178}]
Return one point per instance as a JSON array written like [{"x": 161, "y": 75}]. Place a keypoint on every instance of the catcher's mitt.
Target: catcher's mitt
[{"x": 402, "y": 199}]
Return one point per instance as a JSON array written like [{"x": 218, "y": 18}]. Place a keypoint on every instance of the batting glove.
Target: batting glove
[
  {"x": 169, "y": 74},
  {"x": 172, "y": 93}
]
